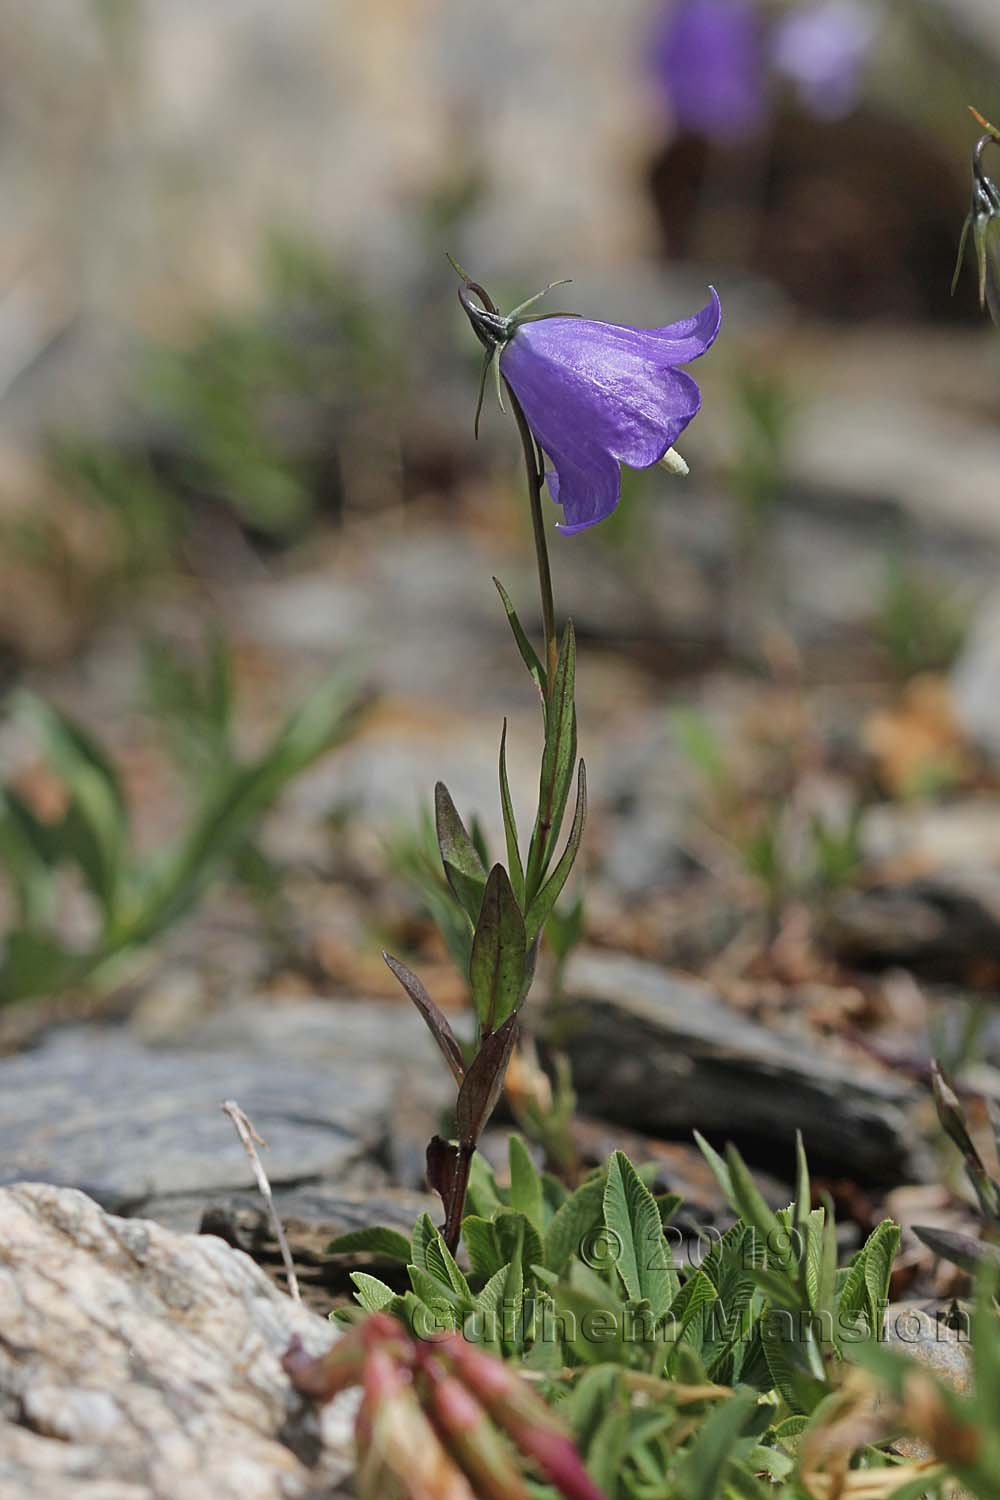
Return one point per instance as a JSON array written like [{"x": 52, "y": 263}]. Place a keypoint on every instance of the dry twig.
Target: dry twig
[{"x": 251, "y": 1140}]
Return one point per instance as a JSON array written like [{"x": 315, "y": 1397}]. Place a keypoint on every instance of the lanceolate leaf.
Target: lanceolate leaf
[
  {"x": 436, "y": 1022},
  {"x": 541, "y": 907},
  {"x": 528, "y": 654},
  {"x": 510, "y": 824},
  {"x": 643, "y": 1255},
  {"x": 496, "y": 968},
  {"x": 459, "y": 855},
  {"x": 525, "y": 1185},
  {"x": 558, "y": 759},
  {"x": 477, "y": 1098}
]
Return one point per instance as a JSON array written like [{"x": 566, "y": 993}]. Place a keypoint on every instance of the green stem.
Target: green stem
[{"x": 535, "y": 478}]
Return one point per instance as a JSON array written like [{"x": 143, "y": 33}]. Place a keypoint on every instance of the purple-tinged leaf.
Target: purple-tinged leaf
[
  {"x": 442, "y": 1165},
  {"x": 477, "y": 1098},
  {"x": 432, "y": 1014},
  {"x": 961, "y": 1250},
  {"x": 459, "y": 855}
]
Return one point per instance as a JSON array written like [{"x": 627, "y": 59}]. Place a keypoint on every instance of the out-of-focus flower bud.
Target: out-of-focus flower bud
[
  {"x": 523, "y": 1415},
  {"x": 983, "y": 222},
  {"x": 399, "y": 1455},
  {"x": 324, "y": 1377},
  {"x": 471, "y": 1437}
]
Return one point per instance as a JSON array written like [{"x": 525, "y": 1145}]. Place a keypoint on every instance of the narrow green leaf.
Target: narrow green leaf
[
  {"x": 94, "y": 830},
  {"x": 528, "y": 654},
  {"x": 702, "y": 1470},
  {"x": 631, "y": 1214},
  {"x": 749, "y": 1203},
  {"x": 803, "y": 1191},
  {"x": 719, "y": 1169},
  {"x": 525, "y": 1185},
  {"x": 558, "y": 760},
  {"x": 510, "y": 824},
  {"x": 541, "y": 907},
  {"x": 496, "y": 968}
]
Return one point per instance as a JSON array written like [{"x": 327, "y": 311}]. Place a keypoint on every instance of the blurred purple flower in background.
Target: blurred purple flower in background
[
  {"x": 823, "y": 49},
  {"x": 709, "y": 58},
  {"x": 717, "y": 61},
  {"x": 597, "y": 395}
]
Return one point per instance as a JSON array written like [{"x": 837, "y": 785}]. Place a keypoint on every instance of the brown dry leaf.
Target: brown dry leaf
[
  {"x": 856, "y": 1419},
  {"x": 917, "y": 743}
]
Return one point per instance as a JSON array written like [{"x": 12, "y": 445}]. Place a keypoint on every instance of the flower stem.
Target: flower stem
[{"x": 532, "y": 463}]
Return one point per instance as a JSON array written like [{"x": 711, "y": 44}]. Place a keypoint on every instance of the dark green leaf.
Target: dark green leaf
[
  {"x": 389, "y": 1244},
  {"x": 496, "y": 969},
  {"x": 525, "y": 1185}
]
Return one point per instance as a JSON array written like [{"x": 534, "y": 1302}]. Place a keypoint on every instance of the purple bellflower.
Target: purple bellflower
[
  {"x": 595, "y": 395},
  {"x": 823, "y": 49},
  {"x": 709, "y": 57},
  {"x": 717, "y": 61}
]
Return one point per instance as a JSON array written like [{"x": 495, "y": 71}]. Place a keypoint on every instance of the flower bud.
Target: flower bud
[
  {"x": 471, "y": 1438},
  {"x": 399, "y": 1455},
  {"x": 341, "y": 1366},
  {"x": 523, "y": 1415},
  {"x": 324, "y": 1377}
]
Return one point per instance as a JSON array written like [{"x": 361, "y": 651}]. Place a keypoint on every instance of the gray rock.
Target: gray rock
[
  {"x": 92, "y": 1108},
  {"x": 666, "y": 1055},
  {"x": 137, "y": 1364},
  {"x": 945, "y": 926},
  {"x": 312, "y": 1217}
]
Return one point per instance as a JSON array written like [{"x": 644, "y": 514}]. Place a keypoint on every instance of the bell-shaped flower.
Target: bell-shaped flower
[{"x": 599, "y": 395}]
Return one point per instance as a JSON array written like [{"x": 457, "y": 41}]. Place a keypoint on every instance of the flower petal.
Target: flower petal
[
  {"x": 586, "y": 485},
  {"x": 600, "y": 394},
  {"x": 689, "y": 338}
]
